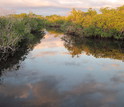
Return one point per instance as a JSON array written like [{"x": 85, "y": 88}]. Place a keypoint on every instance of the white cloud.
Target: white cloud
[{"x": 61, "y": 3}]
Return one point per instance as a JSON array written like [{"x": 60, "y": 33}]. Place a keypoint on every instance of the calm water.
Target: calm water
[{"x": 62, "y": 71}]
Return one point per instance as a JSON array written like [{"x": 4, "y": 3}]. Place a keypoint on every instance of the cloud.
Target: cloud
[
  {"x": 61, "y": 3},
  {"x": 47, "y": 53},
  {"x": 50, "y": 42},
  {"x": 6, "y": 11},
  {"x": 46, "y": 93}
]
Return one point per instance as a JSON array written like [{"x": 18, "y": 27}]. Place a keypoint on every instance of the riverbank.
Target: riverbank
[
  {"x": 109, "y": 24},
  {"x": 74, "y": 47},
  {"x": 14, "y": 30}
]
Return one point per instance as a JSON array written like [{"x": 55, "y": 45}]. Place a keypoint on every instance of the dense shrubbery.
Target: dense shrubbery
[
  {"x": 12, "y": 61},
  {"x": 15, "y": 28},
  {"x": 109, "y": 23}
]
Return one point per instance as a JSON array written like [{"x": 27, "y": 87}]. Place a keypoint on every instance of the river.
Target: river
[{"x": 62, "y": 71}]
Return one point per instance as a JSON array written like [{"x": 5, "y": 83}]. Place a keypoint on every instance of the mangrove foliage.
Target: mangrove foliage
[{"x": 16, "y": 28}]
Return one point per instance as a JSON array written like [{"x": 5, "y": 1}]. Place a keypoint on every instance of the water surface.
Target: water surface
[{"x": 64, "y": 71}]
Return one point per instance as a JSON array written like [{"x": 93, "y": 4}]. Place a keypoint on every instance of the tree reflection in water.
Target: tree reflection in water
[
  {"x": 75, "y": 45},
  {"x": 13, "y": 61},
  {"x": 40, "y": 83},
  {"x": 98, "y": 48}
]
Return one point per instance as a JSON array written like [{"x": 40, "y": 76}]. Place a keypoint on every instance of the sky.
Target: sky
[
  {"x": 61, "y": 3},
  {"x": 27, "y": 5}
]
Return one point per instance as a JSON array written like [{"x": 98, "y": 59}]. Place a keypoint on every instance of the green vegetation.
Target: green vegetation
[
  {"x": 109, "y": 23},
  {"x": 16, "y": 28},
  {"x": 12, "y": 61}
]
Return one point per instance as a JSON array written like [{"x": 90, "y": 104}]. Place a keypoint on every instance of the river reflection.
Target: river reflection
[{"x": 63, "y": 71}]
